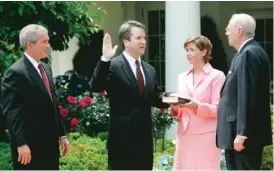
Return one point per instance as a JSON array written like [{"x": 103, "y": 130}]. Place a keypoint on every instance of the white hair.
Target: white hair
[
  {"x": 29, "y": 33},
  {"x": 246, "y": 22}
]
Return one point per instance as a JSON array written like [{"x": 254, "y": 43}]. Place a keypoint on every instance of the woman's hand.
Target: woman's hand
[
  {"x": 174, "y": 107},
  {"x": 191, "y": 105}
]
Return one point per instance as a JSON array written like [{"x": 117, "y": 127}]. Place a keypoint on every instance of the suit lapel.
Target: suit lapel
[
  {"x": 128, "y": 72},
  {"x": 49, "y": 76},
  {"x": 148, "y": 78},
  {"x": 234, "y": 61},
  {"x": 231, "y": 68},
  {"x": 36, "y": 77}
]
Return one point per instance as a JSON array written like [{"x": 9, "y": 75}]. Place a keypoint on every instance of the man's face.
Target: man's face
[
  {"x": 136, "y": 44},
  {"x": 41, "y": 47},
  {"x": 232, "y": 33}
]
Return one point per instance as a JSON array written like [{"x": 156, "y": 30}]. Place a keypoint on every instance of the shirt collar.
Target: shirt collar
[
  {"x": 206, "y": 69},
  {"x": 244, "y": 44},
  {"x": 34, "y": 62},
  {"x": 130, "y": 59}
]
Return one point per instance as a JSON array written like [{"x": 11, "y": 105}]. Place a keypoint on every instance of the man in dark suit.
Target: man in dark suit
[
  {"x": 30, "y": 106},
  {"x": 132, "y": 89},
  {"x": 244, "y": 125}
]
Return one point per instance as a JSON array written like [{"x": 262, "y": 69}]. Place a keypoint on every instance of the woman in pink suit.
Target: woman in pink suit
[{"x": 195, "y": 143}]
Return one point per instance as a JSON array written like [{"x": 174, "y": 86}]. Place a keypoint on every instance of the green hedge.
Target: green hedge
[
  {"x": 267, "y": 160},
  {"x": 85, "y": 154},
  {"x": 5, "y": 157},
  {"x": 90, "y": 154}
]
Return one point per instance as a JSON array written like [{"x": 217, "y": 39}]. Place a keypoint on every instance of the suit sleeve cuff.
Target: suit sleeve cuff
[{"x": 21, "y": 141}]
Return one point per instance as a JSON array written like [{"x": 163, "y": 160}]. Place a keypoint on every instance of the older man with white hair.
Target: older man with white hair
[
  {"x": 30, "y": 106},
  {"x": 244, "y": 125}
]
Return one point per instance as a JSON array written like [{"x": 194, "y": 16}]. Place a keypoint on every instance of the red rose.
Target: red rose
[
  {"x": 64, "y": 113},
  {"x": 60, "y": 107},
  {"x": 71, "y": 99},
  {"x": 74, "y": 122},
  {"x": 102, "y": 93},
  {"x": 82, "y": 103},
  {"x": 88, "y": 100},
  {"x": 163, "y": 109}
]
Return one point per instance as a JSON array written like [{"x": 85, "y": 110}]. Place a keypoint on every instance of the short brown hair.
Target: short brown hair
[
  {"x": 125, "y": 29},
  {"x": 201, "y": 43}
]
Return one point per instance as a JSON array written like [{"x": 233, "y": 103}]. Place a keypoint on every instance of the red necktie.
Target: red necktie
[
  {"x": 140, "y": 78},
  {"x": 45, "y": 79}
]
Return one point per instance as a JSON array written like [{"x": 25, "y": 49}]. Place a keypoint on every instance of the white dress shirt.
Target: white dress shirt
[
  {"x": 34, "y": 63},
  {"x": 132, "y": 64},
  {"x": 244, "y": 43}
]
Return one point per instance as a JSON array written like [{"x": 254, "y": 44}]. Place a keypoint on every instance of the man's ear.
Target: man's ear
[
  {"x": 29, "y": 44},
  {"x": 125, "y": 42}
]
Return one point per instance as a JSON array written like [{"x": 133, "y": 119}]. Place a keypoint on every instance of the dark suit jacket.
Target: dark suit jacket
[
  {"x": 31, "y": 116},
  {"x": 244, "y": 107},
  {"x": 2, "y": 126},
  {"x": 130, "y": 125}
]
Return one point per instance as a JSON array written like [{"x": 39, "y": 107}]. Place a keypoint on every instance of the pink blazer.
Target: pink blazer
[{"x": 206, "y": 92}]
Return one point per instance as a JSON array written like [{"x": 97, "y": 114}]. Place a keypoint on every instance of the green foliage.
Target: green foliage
[
  {"x": 85, "y": 154},
  {"x": 98, "y": 115},
  {"x": 63, "y": 19},
  {"x": 164, "y": 144},
  {"x": 164, "y": 160},
  {"x": 103, "y": 135},
  {"x": 267, "y": 158},
  {"x": 162, "y": 121},
  {"x": 5, "y": 157}
]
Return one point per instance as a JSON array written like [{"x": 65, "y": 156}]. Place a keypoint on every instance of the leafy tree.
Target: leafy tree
[{"x": 63, "y": 20}]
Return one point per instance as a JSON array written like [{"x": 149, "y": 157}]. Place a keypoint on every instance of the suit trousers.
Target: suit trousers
[
  {"x": 41, "y": 161},
  {"x": 138, "y": 160},
  {"x": 247, "y": 159}
]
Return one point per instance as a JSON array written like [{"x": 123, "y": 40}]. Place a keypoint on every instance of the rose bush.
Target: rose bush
[
  {"x": 88, "y": 112},
  {"x": 82, "y": 111}
]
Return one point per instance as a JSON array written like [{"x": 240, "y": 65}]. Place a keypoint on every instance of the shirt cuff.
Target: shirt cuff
[
  {"x": 62, "y": 137},
  {"x": 105, "y": 59},
  {"x": 242, "y": 136}
]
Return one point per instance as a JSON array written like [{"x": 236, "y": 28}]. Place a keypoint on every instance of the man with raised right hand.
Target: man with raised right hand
[{"x": 132, "y": 89}]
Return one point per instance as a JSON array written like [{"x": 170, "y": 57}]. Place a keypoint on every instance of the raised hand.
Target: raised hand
[{"x": 108, "y": 50}]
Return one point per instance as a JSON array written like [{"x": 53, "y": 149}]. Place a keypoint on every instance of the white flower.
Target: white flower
[
  {"x": 66, "y": 85},
  {"x": 165, "y": 161},
  {"x": 174, "y": 141},
  {"x": 87, "y": 123}
]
